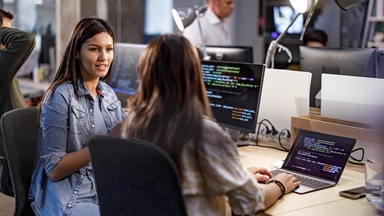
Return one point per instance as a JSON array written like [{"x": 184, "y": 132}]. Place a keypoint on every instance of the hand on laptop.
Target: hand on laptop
[
  {"x": 261, "y": 174},
  {"x": 289, "y": 181}
]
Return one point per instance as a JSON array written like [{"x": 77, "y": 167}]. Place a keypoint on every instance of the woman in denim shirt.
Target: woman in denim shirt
[{"x": 76, "y": 106}]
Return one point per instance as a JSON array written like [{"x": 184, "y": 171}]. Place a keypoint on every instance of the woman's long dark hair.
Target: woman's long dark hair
[{"x": 171, "y": 102}]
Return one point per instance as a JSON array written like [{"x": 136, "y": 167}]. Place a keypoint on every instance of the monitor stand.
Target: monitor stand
[{"x": 235, "y": 135}]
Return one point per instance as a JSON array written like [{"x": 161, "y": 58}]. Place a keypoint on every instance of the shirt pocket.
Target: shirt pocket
[
  {"x": 77, "y": 120},
  {"x": 114, "y": 110}
]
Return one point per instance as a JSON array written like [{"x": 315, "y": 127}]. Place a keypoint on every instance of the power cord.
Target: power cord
[
  {"x": 359, "y": 161},
  {"x": 274, "y": 132},
  {"x": 288, "y": 136}
]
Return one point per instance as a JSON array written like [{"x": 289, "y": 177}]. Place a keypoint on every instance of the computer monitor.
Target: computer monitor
[
  {"x": 278, "y": 16},
  {"x": 234, "y": 91},
  {"x": 228, "y": 53},
  {"x": 283, "y": 16},
  {"x": 123, "y": 78},
  {"x": 344, "y": 61}
]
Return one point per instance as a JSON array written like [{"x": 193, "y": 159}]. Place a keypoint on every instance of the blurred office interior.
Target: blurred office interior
[{"x": 138, "y": 21}]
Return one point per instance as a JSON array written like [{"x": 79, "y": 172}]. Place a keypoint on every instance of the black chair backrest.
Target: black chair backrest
[
  {"x": 19, "y": 128},
  {"x": 134, "y": 177}
]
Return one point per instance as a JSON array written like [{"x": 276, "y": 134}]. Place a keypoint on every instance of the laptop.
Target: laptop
[{"x": 317, "y": 160}]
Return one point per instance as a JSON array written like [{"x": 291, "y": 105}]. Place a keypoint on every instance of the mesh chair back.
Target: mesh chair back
[
  {"x": 135, "y": 178},
  {"x": 19, "y": 128}
]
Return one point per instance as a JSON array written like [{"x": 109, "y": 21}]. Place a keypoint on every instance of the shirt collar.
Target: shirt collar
[{"x": 83, "y": 91}]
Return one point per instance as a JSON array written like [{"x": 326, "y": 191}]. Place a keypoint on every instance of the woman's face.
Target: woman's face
[{"x": 96, "y": 56}]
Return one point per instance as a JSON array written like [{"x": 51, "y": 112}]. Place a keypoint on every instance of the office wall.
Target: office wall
[
  {"x": 245, "y": 29},
  {"x": 330, "y": 21}
]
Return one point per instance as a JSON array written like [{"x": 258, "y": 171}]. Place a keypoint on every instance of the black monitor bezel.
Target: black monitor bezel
[
  {"x": 226, "y": 49},
  {"x": 254, "y": 125}
]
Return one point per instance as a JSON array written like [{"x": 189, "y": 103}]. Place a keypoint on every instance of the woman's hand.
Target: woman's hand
[
  {"x": 261, "y": 174},
  {"x": 289, "y": 181}
]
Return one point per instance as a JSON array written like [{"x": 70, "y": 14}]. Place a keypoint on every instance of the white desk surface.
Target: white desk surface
[{"x": 323, "y": 202}]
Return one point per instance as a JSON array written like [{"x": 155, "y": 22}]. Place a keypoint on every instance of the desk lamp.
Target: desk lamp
[
  {"x": 343, "y": 4},
  {"x": 301, "y": 6},
  {"x": 184, "y": 17},
  {"x": 346, "y": 4}
]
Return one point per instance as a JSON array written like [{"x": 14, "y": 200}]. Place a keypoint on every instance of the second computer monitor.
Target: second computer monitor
[
  {"x": 343, "y": 61},
  {"x": 228, "y": 53},
  {"x": 123, "y": 78},
  {"x": 234, "y": 92}
]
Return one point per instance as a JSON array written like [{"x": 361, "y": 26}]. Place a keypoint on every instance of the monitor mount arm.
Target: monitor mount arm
[
  {"x": 274, "y": 45},
  {"x": 199, "y": 13}
]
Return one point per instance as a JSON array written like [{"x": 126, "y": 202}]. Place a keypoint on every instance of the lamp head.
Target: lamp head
[
  {"x": 301, "y": 6},
  {"x": 183, "y": 17},
  {"x": 346, "y": 4}
]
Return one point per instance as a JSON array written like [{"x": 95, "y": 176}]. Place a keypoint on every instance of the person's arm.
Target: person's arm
[
  {"x": 59, "y": 118},
  {"x": 273, "y": 191},
  {"x": 70, "y": 163},
  {"x": 18, "y": 45},
  {"x": 224, "y": 174},
  {"x": 261, "y": 174}
]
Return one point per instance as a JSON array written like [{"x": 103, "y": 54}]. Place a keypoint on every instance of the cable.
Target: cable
[
  {"x": 362, "y": 155},
  {"x": 288, "y": 136},
  {"x": 266, "y": 127},
  {"x": 274, "y": 131},
  {"x": 272, "y": 147},
  {"x": 258, "y": 132},
  {"x": 249, "y": 137}
]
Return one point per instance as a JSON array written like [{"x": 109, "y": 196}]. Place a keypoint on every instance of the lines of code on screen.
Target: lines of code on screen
[
  {"x": 233, "y": 91},
  {"x": 321, "y": 156}
]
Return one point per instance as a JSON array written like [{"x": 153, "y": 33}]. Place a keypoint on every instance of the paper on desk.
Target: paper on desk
[
  {"x": 352, "y": 98},
  {"x": 285, "y": 93}
]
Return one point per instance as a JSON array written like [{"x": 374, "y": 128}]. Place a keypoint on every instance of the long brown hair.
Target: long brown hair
[{"x": 171, "y": 102}]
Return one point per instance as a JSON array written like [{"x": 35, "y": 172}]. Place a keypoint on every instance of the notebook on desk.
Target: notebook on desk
[{"x": 317, "y": 160}]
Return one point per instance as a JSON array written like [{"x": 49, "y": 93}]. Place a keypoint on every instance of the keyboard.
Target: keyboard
[{"x": 305, "y": 181}]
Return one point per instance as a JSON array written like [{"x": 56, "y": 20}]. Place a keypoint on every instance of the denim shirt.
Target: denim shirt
[{"x": 66, "y": 124}]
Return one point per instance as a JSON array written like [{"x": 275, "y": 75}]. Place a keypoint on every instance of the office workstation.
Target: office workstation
[{"x": 283, "y": 100}]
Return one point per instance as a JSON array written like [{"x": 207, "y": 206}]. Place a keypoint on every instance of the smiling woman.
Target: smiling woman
[
  {"x": 76, "y": 106},
  {"x": 95, "y": 58}
]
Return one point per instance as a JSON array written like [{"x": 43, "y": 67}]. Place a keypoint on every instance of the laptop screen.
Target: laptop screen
[{"x": 319, "y": 154}]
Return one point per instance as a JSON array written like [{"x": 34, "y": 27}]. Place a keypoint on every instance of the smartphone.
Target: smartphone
[{"x": 354, "y": 193}]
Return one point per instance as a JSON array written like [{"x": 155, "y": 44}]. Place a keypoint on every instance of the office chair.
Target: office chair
[
  {"x": 19, "y": 128},
  {"x": 134, "y": 177}
]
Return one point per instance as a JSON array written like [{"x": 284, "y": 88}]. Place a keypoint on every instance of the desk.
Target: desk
[{"x": 323, "y": 202}]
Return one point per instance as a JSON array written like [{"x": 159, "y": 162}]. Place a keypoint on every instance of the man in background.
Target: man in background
[
  {"x": 15, "y": 48},
  {"x": 214, "y": 24}
]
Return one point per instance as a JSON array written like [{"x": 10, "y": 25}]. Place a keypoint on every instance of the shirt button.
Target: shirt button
[
  {"x": 76, "y": 192},
  {"x": 69, "y": 205},
  {"x": 91, "y": 110},
  {"x": 93, "y": 126}
]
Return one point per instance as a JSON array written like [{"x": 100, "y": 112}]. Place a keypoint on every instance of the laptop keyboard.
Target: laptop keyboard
[{"x": 305, "y": 181}]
